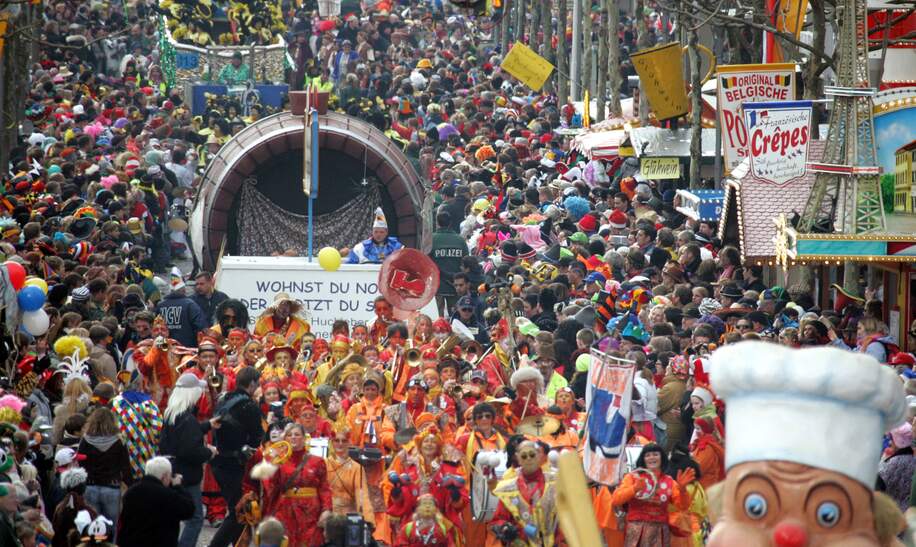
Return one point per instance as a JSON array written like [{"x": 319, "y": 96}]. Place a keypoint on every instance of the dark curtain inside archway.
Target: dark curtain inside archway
[{"x": 271, "y": 216}]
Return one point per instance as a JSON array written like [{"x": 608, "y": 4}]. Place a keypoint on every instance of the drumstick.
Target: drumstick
[
  {"x": 580, "y": 528},
  {"x": 525, "y": 410}
]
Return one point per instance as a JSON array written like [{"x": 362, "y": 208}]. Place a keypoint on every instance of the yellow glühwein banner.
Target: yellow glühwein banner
[
  {"x": 660, "y": 168},
  {"x": 527, "y": 66}
]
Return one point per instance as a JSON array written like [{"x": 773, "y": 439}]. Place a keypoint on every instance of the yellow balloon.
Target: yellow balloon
[
  {"x": 37, "y": 282},
  {"x": 329, "y": 258}
]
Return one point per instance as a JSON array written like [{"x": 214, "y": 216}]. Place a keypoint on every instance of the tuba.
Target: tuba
[{"x": 447, "y": 345}]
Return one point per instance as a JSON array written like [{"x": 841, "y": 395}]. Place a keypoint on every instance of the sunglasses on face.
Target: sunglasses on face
[{"x": 527, "y": 455}]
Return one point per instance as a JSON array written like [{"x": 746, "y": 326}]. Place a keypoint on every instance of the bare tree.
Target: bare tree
[
  {"x": 504, "y": 26},
  {"x": 612, "y": 65},
  {"x": 696, "y": 126},
  {"x": 601, "y": 94},
  {"x": 562, "y": 55},
  {"x": 14, "y": 79}
]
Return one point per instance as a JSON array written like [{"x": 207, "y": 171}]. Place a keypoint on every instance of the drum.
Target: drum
[
  {"x": 318, "y": 446},
  {"x": 489, "y": 468}
]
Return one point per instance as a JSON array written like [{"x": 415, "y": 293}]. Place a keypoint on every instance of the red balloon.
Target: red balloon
[{"x": 17, "y": 273}]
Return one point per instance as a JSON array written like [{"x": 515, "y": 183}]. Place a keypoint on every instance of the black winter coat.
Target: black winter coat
[
  {"x": 151, "y": 514},
  {"x": 184, "y": 441}
]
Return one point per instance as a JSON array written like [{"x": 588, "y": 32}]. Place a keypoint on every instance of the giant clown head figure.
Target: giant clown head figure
[{"x": 803, "y": 442}]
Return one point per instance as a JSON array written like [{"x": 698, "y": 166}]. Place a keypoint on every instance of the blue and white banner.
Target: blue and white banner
[
  {"x": 778, "y": 138},
  {"x": 607, "y": 398}
]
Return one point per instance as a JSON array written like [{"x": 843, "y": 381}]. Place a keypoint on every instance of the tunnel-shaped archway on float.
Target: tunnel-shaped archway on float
[{"x": 271, "y": 151}]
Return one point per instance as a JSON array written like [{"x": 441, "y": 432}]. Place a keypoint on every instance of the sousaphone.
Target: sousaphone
[
  {"x": 333, "y": 378},
  {"x": 408, "y": 279}
]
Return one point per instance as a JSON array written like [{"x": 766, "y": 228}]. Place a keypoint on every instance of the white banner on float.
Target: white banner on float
[{"x": 348, "y": 293}]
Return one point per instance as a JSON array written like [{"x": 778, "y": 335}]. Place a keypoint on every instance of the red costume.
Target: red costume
[{"x": 297, "y": 498}]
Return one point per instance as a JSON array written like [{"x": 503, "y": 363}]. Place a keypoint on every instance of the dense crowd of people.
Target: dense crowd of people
[{"x": 144, "y": 406}]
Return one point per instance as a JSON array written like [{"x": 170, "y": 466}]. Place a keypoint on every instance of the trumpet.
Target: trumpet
[
  {"x": 215, "y": 379},
  {"x": 413, "y": 357}
]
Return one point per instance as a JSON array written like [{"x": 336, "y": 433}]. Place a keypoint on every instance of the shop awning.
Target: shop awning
[
  {"x": 657, "y": 141},
  {"x": 601, "y": 145}
]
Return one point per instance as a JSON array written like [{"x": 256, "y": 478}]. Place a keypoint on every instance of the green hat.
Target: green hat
[
  {"x": 580, "y": 238},
  {"x": 526, "y": 327},
  {"x": 566, "y": 253}
]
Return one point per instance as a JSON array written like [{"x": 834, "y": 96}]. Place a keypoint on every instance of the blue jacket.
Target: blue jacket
[
  {"x": 183, "y": 317},
  {"x": 367, "y": 252}
]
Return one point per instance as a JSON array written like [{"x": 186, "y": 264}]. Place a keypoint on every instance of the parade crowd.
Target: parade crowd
[{"x": 145, "y": 406}]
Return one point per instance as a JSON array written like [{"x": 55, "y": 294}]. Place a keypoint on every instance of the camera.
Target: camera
[{"x": 358, "y": 532}]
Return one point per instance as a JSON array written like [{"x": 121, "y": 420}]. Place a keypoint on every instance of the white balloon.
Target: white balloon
[{"x": 36, "y": 322}]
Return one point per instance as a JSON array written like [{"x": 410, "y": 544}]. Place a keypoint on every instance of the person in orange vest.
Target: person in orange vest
[
  {"x": 482, "y": 437},
  {"x": 365, "y": 422}
]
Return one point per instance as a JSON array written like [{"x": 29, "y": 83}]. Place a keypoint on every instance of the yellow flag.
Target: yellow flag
[
  {"x": 527, "y": 66},
  {"x": 586, "y": 108}
]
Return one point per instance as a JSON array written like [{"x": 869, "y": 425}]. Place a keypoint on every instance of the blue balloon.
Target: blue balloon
[{"x": 31, "y": 298}]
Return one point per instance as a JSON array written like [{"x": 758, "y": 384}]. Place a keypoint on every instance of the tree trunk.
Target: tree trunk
[
  {"x": 614, "y": 78},
  {"x": 562, "y": 55},
  {"x": 601, "y": 94},
  {"x": 504, "y": 26},
  {"x": 696, "y": 127},
  {"x": 812, "y": 83},
  {"x": 547, "y": 24},
  {"x": 587, "y": 61},
  {"x": 520, "y": 20},
  {"x": 15, "y": 80},
  {"x": 537, "y": 25},
  {"x": 642, "y": 42}
]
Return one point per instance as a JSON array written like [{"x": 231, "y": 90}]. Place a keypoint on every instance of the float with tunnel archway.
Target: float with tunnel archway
[{"x": 353, "y": 154}]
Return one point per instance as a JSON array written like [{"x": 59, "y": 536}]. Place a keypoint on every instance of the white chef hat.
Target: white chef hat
[{"x": 823, "y": 407}]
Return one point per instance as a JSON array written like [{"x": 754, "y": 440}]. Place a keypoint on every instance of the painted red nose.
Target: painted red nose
[{"x": 790, "y": 534}]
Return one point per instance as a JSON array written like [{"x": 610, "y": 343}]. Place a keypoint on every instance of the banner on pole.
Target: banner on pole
[
  {"x": 607, "y": 397},
  {"x": 527, "y": 66},
  {"x": 778, "y": 138},
  {"x": 739, "y": 84}
]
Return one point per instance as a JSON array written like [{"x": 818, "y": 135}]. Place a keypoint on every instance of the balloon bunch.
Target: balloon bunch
[{"x": 31, "y": 293}]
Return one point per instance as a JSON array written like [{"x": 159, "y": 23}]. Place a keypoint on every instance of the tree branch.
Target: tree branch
[
  {"x": 87, "y": 44},
  {"x": 705, "y": 12}
]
